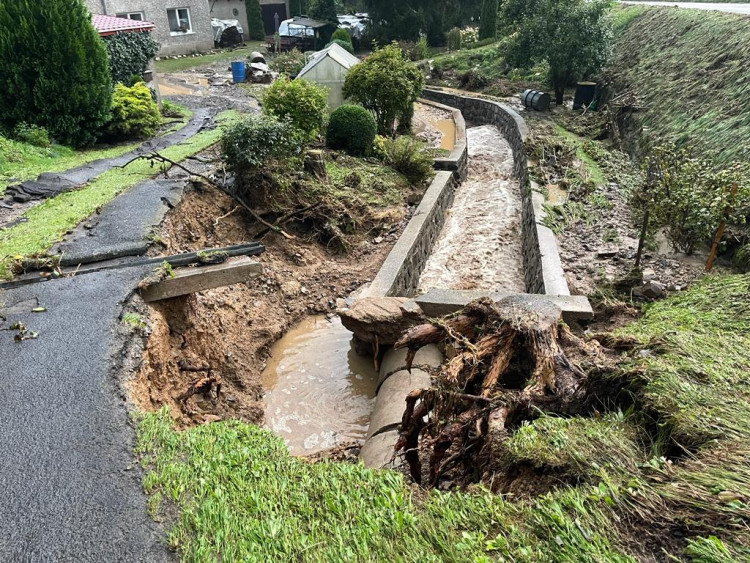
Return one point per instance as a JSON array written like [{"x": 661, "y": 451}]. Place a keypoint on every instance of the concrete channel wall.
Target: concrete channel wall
[{"x": 400, "y": 273}]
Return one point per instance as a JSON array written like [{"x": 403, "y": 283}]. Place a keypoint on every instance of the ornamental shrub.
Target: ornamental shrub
[
  {"x": 135, "y": 115},
  {"x": 386, "y": 84},
  {"x": 351, "y": 128},
  {"x": 289, "y": 63},
  {"x": 408, "y": 156},
  {"x": 305, "y": 104},
  {"x": 31, "y": 134},
  {"x": 53, "y": 70},
  {"x": 129, "y": 55},
  {"x": 341, "y": 34},
  {"x": 255, "y": 141}
]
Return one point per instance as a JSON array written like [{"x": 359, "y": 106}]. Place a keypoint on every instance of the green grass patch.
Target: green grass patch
[
  {"x": 690, "y": 77},
  {"x": 242, "y": 497},
  {"x": 592, "y": 168},
  {"x": 20, "y": 161},
  {"x": 50, "y": 220},
  {"x": 165, "y": 66}
]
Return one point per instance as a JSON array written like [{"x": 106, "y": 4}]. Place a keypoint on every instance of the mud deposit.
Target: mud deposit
[
  {"x": 319, "y": 392},
  {"x": 480, "y": 245},
  {"x": 231, "y": 329}
]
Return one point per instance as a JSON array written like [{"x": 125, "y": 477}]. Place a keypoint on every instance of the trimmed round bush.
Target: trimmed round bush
[
  {"x": 135, "y": 115},
  {"x": 343, "y": 44},
  {"x": 351, "y": 128},
  {"x": 305, "y": 104},
  {"x": 341, "y": 34}
]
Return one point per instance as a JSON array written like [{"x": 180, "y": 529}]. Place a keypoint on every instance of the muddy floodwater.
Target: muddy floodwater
[
  {"x": 434, "y": 126},
  {"x": 318, "y": 391},
  {"x": 480, "y": 244}
]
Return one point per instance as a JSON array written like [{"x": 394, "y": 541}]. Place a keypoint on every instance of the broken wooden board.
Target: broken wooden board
[{"x": 192, "y": 280}]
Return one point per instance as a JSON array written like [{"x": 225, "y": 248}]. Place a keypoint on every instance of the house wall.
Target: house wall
[
  {"x": 155, "y": 11},
  {"x": 224, "y": 10}
]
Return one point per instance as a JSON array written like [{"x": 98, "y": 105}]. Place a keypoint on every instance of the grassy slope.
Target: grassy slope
[
  {"x": 690, "y": 69},
  {"x": 50, "y": 220},
  {"x": 185, "y": 63},
  {"x": 242, "y": 497}
]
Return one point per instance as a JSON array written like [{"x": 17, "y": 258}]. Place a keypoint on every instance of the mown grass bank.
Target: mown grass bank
[
  {"x": 666, "y": 476},
  {"x": 47, "y": 222},
  {"x": 187, "y": 62},
  {"x": 688, "y": 69}
]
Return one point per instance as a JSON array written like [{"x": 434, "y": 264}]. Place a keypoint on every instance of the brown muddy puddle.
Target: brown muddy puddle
[
  {"x": 318, "y": 391},
  {"x": 434, "y": 126}
]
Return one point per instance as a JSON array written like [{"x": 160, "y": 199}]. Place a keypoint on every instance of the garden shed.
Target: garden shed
[{"x": 328, "y": 68}]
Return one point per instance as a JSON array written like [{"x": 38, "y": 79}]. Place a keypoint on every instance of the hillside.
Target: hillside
[{"x": 689, "y": 71}]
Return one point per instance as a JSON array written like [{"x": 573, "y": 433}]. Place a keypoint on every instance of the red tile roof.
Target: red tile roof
[{"x": 109, "y": 25}]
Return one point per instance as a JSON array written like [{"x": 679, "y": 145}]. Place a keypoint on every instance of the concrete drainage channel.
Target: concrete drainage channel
[{"x": 400, "y": 274}]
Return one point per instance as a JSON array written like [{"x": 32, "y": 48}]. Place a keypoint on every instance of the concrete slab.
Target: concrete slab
[
  {"x": 440, "y": 302},
  {"x": 390, "y": 403}
]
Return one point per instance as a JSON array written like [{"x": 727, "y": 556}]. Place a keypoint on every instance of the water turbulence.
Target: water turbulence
[
  {"x": 319, "y": 391},
  {"x": 480, "y": 244}
]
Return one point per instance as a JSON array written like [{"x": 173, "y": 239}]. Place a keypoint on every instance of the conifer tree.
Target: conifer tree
[
  {"x": 53, "y": 69},
  {"x": 488, "y": 22},
  {"x": 255, "y": 28}
]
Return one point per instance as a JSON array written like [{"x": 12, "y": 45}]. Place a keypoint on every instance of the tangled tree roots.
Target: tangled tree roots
[{"x": 509, "y": 361}]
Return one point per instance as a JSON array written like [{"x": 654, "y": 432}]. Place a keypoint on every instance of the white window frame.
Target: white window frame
[
  {"x": 128, "y": 16},
  {"x": 177, "y": 14}
]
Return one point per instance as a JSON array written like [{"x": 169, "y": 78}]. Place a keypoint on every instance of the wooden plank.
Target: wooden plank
[{"x": 192, "y": 280}]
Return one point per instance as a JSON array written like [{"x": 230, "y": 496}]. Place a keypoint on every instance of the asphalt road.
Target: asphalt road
[
  {"x": 69, "y": 488},
  {"x": 730, "y": 8}
]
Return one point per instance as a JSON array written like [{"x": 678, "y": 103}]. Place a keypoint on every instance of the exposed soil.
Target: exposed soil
[{"x": 231, "y": 329}]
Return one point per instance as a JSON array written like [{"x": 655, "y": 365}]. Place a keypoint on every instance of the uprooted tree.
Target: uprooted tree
[{"x": 510, "y": 360}]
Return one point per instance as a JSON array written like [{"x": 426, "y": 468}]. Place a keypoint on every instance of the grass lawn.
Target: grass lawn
[
  {"x": 21, "y": 161},
  {"x": 51, "y": 219},
  {"x": 165, "y": 66},
  {"x": 677, "y": 458}
]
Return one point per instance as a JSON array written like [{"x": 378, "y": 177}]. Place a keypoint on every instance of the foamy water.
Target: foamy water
[{"x": 480, "y": 244}]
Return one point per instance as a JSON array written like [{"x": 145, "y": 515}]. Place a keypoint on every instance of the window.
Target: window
[
  {"x": 179, "y": 21},
  {"x": 131, "y": 16}
]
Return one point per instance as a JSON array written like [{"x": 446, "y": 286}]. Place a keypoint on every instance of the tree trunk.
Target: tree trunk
[{"x": 559, "y": 94}]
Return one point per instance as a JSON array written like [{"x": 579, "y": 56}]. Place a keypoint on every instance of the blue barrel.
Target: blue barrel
[{"x": 238, "y": 71}]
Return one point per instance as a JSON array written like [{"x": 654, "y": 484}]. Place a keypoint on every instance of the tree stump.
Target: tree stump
[
  {"x": 315, "y": 164},
  {"x": 510, "y": 363}
]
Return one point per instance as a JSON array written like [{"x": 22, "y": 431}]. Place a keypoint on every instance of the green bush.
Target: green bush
[
  {"x": 255, "y": 29},
  {"x": 407, "y": 155},
  {"x": 289, "y": 63},
  {"x": 342, "y": 35},
  {"x": 351, "y": 128},
  {"x": 343, "y": 44},
  {"x": 453, "y": 39},
  {"x": 168, "y": 109},
  {"x": 386, "y": 84},
  {"x": 305, "y": 104},
  {"x": 53, "y": 70},
  {"x": 31, "y": 134},
  {"x": 255, "y": 141},
  {"x": 129, "y": 55},
  {"x": 135, "y": 115}
]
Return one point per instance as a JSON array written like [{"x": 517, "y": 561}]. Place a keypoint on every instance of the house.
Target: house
[
  {"x": 328, "y": 68},
  {"x": 181, "y": 26},
  {"x": 235, "y": 10}
]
